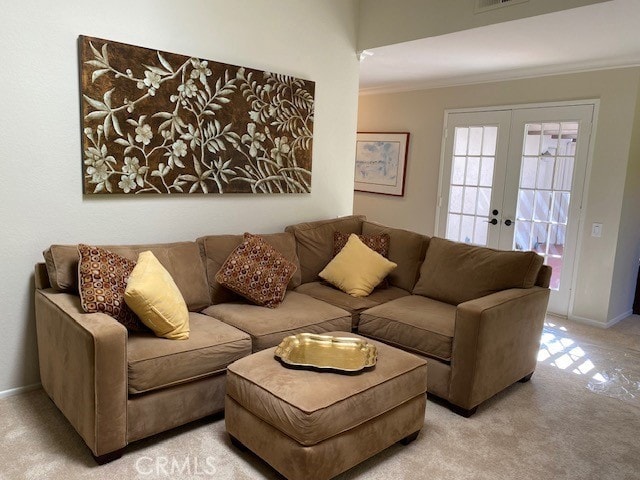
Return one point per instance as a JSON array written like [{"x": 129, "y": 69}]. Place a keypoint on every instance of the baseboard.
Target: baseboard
[
  {"x": 596, "y": 323},
  {"x": 620, "y": 317},
  {"x": 17, "y": 391}
]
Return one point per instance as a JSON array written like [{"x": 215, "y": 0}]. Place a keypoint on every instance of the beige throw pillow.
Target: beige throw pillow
[
  {"x": 153, "y": 295},
  {"x": 357, "y": 269}
]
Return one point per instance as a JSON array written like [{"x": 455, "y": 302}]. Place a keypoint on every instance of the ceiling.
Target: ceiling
[{"x": 604, "y": 35}]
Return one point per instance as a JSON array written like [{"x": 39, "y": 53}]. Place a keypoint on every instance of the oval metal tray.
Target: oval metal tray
[{"x": 342, "y": 354}]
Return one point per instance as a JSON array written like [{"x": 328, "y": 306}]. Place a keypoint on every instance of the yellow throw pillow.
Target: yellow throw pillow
[
  {"x": 153, "y": 295},
  {"x": 357, "y": 269}
]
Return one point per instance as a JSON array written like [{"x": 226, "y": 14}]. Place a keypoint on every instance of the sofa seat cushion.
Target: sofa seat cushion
[
  {"x": 155, "y": 363},
  {"x": 332, "y": 295},
  {"x": 296, "y": 314},
  {"x": 311, "y": 406},
  {"x": 413, "y": 322}
]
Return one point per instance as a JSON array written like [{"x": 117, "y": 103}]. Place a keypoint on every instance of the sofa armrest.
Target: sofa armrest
[
  {"x": 83, "y": 368},
  {"x": 495, "y": 343}
]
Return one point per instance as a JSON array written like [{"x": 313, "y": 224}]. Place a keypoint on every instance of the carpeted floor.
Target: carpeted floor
[{"x": 578, "y": 418}]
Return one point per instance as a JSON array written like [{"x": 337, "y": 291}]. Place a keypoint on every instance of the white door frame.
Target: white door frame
[{"x": 587, "y": 177}]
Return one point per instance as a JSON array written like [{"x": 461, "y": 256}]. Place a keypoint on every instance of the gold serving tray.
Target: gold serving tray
[{"x": 342, "y": 354}]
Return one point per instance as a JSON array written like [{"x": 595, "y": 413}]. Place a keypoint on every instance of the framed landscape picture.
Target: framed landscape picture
[{"x": 381, "y": 160}]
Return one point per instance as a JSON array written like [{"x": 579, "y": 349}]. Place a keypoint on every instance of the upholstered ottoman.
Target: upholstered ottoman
[{"x": 316, "y": 424}]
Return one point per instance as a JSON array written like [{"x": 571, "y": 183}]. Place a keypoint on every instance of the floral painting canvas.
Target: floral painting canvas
[
  {"x": 380, "y": 162},
  {"x": 158, "y": 122}
]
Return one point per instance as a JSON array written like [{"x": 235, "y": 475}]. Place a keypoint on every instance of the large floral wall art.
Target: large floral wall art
[{"x": 158, "y": 122}]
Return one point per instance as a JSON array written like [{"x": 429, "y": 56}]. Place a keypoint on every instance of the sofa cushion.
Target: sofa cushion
[
  {"x": 455, "y": 272},
  {"x": 155, "y": 363},
  {"x": 315, "y": 242},
  {"x": 181, "y": 259},
  {"x": 217, "y": 248},
  {"x": 153, "y": 295},
  {"x": 406, "y": 249},
  {"x": 336, "y": 297},
  {"x": 296, "y": 314},
  {"x": 357, "y": 269},
  {"x": 414, "y": 323},
  {"x": 257, "y": 271},
  {"x": 103, "y": 279}
]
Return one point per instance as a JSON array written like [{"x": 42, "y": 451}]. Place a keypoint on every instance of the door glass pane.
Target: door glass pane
[
  {"x": 489, "y": 141},
  {"x": 480, "y": 235},
  {"x": 484, "y": 199},
  {"x": 466, "y": 229},
  {"x": 486, "y": 172},
  {"x": 545, "y": 173},
  {"x": 461, "y": 138},
  {"x": 528, "y": 172},
  {"x": 458, "y": 170},
  {"x": 472, "y": 166},
  {"x": 470, "y": 199},
  {"x": 546, "y": 176},
  {"x": 532, "y": 140},
  {"x": 475, "y": 141},
  {"x": 525, "y": 204},
  {"x": 455, "y": 199},
  {"x": 473, "y": 170},
  {"x": 453, "y": 226},
  {"x": 542, "y": 208},
  {"x": 563, "y": 173}
]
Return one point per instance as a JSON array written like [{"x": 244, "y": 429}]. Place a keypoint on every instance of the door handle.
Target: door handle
[
  {"x": 493, "y": 221},
  {"x": 508, "y": 222}
]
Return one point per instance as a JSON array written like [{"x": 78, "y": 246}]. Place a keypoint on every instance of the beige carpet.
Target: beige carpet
[{"x": 578, "y": 418}]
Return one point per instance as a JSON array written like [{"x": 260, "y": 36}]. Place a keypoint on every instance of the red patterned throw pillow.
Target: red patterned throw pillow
[
  {"x": 378, "y": 243},
  {"x": 102, "y": 280},
  {"x": 257, "y": 271}
]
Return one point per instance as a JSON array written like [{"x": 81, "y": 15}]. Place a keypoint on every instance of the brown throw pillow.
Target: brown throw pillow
[
  {"x": 257, "y": 271},
  {"x": 378, "y": 243},
  {"x": 102, "y": 280}
]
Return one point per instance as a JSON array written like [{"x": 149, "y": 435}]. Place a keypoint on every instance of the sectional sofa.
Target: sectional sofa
[{"x": 474, "y": 313}]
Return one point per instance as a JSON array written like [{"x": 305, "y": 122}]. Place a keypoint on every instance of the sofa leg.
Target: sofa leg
[
  {"x": 238, "y": 444},
  {"x": 526, "y": 378},
  {"x": 409, "y": 438},
  {"x": 463, "y": 412},
  {"x": 108, "y": 457}
]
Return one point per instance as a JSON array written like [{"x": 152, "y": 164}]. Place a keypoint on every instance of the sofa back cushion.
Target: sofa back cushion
[
  {"x": 217, "y": 248},
  {"x": 315, "y": 242},
  {"x": 406, "y": 249},
  {"x": 455, "y": 272},
  {"x": 181, "y": 259}
]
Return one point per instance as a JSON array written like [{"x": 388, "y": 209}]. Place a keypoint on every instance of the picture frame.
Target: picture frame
[{"x": 381, "y": 161}]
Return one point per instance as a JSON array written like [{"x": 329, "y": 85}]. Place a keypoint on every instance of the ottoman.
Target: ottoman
[{"x": 317, "y": 424}]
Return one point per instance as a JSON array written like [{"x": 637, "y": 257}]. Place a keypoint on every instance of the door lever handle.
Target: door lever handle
[
  {"x": 508, "y": 222},
  {"x": 493, "y": 221}
]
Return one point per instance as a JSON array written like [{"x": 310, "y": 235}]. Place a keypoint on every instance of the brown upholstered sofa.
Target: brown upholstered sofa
[{"x": 475, "y": 314}]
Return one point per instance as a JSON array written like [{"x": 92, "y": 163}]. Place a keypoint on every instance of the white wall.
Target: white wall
[
  {"x": 422, "y": 112},
  {"x": 41, "y": 199}
]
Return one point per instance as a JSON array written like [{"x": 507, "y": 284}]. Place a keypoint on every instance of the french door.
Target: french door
[{"x": 513, "y": 179}]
